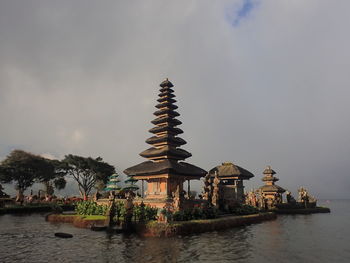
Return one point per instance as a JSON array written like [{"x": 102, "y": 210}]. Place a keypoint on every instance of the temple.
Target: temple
[
  {"x": 165, "y": 172},
  {"x": 271, "y": 193},
  {"x": 230, "y": 184}
]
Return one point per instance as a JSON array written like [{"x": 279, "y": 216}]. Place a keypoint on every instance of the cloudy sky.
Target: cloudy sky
[{"x": 258, "y": 82}]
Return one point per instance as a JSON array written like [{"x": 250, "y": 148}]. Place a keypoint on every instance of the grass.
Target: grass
[
  {"x": 86, "y": 217},
  {"x": 94, "y": 217}
]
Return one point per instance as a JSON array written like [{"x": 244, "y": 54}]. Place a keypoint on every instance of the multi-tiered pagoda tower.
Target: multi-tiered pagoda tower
[
  {"x": 271, "y": 192},
  {"x": 165, "y": 171}
]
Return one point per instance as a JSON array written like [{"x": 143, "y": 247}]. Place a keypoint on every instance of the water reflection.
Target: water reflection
[{"x": 312, "y": 238}]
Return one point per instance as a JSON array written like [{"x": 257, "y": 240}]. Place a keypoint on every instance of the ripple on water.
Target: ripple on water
[{"x": 315, "y": 238}]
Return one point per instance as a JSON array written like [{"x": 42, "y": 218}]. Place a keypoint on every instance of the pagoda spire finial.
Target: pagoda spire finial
[{"x": 166, "y": 84}]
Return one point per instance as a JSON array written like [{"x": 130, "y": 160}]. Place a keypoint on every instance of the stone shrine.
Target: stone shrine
[
  {"x": 230, "y": 184},
  {"x": 271, "y": 194}
]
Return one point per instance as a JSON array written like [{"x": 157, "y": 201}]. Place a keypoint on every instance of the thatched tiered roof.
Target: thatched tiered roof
[
  {"x": 229, "y": 170},
  {"x": 270, "y": 180},
  {"x": 165, "y": 153}
]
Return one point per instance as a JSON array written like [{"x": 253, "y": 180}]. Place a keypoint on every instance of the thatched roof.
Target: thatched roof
[
  {"x": 269, "y": 179},
  {"x": 166, "y": 83},
  {"x": 170, "y": 120},
  {"x": 168, "y": 95},
  {"x": 169, "y": 143},
  {"x": 179, "y": 154},
  {"x": 166, "y": 111},
  {"x": 170, "y": 129},
  {"x": 272, "y": 189},
  {"x": 166, "y": 138},
  {"x": 231, "y": 170},
  {"x": 166, "y": 104},
  {"x": 166, "y": 89},
  {"x": 165, "y": 166},
  {"x": 268, "y": 170},
  {"x": 170, "y": 100}
]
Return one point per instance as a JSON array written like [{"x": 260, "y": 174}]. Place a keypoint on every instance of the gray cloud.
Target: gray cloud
[{"x": 82, "y": 77}]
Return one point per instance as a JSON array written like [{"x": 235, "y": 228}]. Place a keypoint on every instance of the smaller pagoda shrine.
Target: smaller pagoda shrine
[
  {"x": 271, "y": 194},
  {"x": 112, "y": 184},
  {"x": 228, "y": 179},
  {"x": 131, "y": 184},
  {"x": 165, "y": 171}
]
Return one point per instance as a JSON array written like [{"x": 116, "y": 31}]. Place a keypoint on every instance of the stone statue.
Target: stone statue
[
  {"x": 207, "y": 189},
  {"x": 261, "y": 200},
  {"x": 216, "y": 197},
  {"x": 300, "y": 194},
  {"x": 277, "y": 199},
  {"x": 142, "y": 212},
  {"x": 306, "y": 198},
  {"x": 253, "y": 201},
  {"x": 111, "y": 213},
  {"x": 177, "y": 196},
  {"x": 129, "y": 209}
]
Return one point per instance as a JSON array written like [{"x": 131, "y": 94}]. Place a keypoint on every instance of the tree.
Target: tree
[
  {"x": 86, "y": 171},
  {"x": 2, "y": 194},
  {"x": 22, "y": 168},
  {"x": 53, "y": 176}
]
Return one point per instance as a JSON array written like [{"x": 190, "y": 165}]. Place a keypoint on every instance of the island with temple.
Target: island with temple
[{"x": 157, "y": 199}]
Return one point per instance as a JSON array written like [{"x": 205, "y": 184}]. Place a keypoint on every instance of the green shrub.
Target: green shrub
[
  {"x": 195, "y": 214},
  {"x": 139, "y": 214},
  {"x": 90, "y": 208},
  {"x": 245, "y": 210},
  {"x": 178, "y": 216},
  {"x": 210, "y": 213},
  {"x": 150, "y": 213}
]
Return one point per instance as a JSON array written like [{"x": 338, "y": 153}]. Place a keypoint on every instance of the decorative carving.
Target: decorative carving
[
  {"x": 177, "y": 198},
  {"x": 251, "y": 199},
  {"x": 207, "y": 188},
  {"x": 215, "y": 187},
  {"x": 129, "y": 207},
  {"x": 305, "y": 198}
]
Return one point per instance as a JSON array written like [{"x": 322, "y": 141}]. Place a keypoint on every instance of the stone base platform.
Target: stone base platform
[
  {"x": 76, "y": 220},
  {"x": 156, "y": 229},
  {"x": 303, "y": 211}
]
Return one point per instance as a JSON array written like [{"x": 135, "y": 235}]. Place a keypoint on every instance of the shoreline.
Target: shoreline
[
  {"x": 76, "y": 220},
  {"x": 156, "y": 229},
  {"x": 160, "y": 229},
  {"x": 34, "y": 209},
  {"x": 303, "y": 211}
]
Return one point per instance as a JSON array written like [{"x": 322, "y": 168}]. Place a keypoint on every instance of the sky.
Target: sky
[{"x": 258, "y": 82}]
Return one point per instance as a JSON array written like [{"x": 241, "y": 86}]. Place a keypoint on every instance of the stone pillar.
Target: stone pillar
[
  {"x": 188, "y": 189},
  {"x": 142, "y": 189}
]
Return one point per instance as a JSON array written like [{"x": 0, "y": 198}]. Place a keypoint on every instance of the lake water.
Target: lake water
[{"x": 292, "y": 238}]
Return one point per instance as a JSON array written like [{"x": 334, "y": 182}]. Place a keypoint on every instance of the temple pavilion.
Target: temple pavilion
[
  {"x": 271, "y": 192},
  {"x": 231, "y": 176},
  {"x": 165, "y": 171}
]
